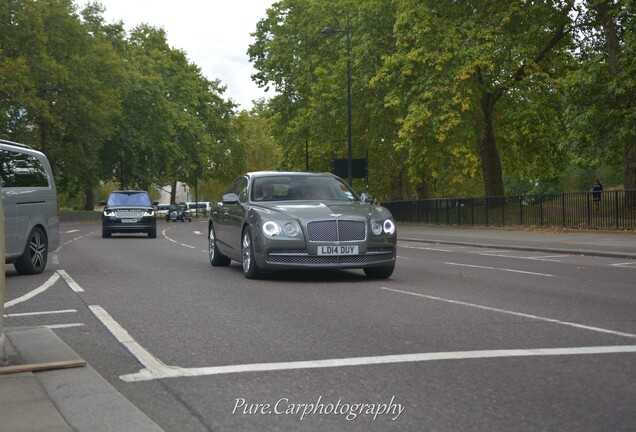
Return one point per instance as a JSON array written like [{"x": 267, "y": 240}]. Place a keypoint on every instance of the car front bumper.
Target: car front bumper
[{"x": 117, "y": 225}]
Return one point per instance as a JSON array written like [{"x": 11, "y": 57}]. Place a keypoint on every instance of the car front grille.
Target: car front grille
[
  {"x": 337, "y": 230},
  {"x": 129, "y": 214},
  {"x": 301, "y": 257}
]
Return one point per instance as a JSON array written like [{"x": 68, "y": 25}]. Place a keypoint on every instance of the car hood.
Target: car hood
[{"x": 319, "y": 210}]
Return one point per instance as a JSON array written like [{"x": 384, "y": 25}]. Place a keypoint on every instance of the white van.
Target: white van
[
  {"x": 200, "y": 207},
  {"x": 31, "y": 207}
]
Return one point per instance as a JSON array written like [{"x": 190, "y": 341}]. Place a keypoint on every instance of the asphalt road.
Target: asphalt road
[{"x": 460, "y": 338}]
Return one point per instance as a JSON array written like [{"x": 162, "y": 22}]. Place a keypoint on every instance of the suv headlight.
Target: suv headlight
[
  {"x": 109, "y": 213},
  {"x": 149, "y": 213}
]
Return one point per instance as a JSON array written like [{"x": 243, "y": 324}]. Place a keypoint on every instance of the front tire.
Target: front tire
[
  {"x": 379, "y": 272},
  {"x": 33, "y": 260},
  {"x": 217, "y": 259},
  {"x": 250, "y": 268}
]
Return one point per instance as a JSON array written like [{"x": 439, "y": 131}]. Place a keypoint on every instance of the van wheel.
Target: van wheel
[{"x": 33, "y": 260}]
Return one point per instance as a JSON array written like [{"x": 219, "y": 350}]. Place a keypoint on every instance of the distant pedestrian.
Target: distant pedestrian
[{"x": 597, "y": 189}]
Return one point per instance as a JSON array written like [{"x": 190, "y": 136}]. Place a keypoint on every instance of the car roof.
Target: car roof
[
  {"x": 129, "y": 191},
  {"x": 15, "y": 144},
  {"x": 259, "y": 174}
]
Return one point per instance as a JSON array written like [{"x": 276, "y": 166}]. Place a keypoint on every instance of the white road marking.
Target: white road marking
[
  {"x": 61, "y": 326},
  {"x": 46, "y": 285},
  {"x": 427, "y": 248},
  {"x": 144, "y": 357},
  {"x": 188, "y": 246},
  {"x": 175, "y": 372},
  {"x": 70, "y": 231},
  {"x": 40, "y": 313},
  {"x": 535, "y": 258},
  {"x": 70, "y": 282},
  {"x": 197, "y": 232},
  {"x": 500, "y": 269},
  {"x": 625, "y": 264},
  {"x": 519, "y": 314}
]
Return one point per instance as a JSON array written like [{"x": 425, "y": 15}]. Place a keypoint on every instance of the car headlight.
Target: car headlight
[
  {"x": 386, "y": 227},
  {"x": 149, "y": 213},
  {"x": 109, "y": 213},
  {"x": 292, "y": 229},
  {"x": 274, "y": 229},
  {"x": 271, "y": 229},
  {"x": 376, "y": 227}
]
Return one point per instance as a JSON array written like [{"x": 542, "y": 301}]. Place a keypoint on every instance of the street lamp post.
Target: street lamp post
[{"x": 328, "y": 31}]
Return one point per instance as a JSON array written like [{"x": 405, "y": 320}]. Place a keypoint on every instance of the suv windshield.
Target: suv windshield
[{"x": 128, "y": 199}]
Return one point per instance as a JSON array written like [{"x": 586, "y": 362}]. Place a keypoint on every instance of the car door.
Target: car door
[{"x": 233, "y": 214}]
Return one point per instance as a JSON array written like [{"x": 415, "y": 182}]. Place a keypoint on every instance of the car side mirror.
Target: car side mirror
[
  {"x": 231, "y": 198},
  {"x": 102, "y": 203},
  {"x": 155, "y": 203},
  {"x": 365, "y": 197}
]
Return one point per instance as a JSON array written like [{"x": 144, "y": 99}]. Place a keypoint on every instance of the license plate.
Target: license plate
[
  {"x": 129, "y": 220},
  {"x": 338, "y": 250}
]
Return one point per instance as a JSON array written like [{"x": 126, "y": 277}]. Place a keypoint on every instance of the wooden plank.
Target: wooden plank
[{"x": 39, "y": 367}]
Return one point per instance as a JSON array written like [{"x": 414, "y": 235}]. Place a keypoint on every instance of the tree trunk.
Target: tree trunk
[
  {"x": 173, "y": 192},
  {"x": 607, "y": 20},
  {"x": 90, "y": 197},
  {"x": 490, "y": 161},
  {"x": 423, "y": 190},
  {"x": 396, "y": 187},
  {"x": 629, "y": 168}
]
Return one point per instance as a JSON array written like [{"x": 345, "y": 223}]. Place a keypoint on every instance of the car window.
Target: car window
[
  {"x": 129, "y": 199},
  {"x": 241, "y": 189},
  {"x": 21, "y": 170}
]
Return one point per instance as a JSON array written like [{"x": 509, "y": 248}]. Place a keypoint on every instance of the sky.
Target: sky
[{"x": 215, "y": 34}]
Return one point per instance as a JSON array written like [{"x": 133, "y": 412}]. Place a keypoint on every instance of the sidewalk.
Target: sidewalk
[
  {"x": 615, "y": 244},
  {"x": 79, "y": 399},
  {"x": 60, "y": 400}
]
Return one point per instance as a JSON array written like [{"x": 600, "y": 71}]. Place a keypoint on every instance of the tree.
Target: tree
[
  {"x": 602, "y": 109},
  {"x": 460, "y": 68}
]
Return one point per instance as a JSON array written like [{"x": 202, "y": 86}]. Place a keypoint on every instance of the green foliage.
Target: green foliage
[
  {"x": 106, "y": 106},
  {"x": 446, "y": 95}
]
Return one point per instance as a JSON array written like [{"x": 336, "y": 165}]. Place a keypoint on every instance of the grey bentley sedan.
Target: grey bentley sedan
[{"x": 289, "y": 220}]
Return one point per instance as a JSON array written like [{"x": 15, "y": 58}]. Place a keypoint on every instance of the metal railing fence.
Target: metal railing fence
[{"x": 614, "y": 209}]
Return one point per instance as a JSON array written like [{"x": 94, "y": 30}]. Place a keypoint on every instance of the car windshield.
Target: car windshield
[
  {"x": 129, "y": 199},
  {"x": 177, "y": 206},
  {"x": 301, "y": 187}
]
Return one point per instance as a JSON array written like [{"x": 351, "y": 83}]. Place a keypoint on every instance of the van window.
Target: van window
[{"x": 21, "y": 170}]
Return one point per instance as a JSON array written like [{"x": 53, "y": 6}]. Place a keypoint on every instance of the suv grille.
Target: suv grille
[
  {"x": 125, "y": 214},
  {"x": 336, "y": 230}
]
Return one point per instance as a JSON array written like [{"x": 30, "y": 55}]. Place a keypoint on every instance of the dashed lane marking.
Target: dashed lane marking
[
  {"x": 500, "y": 269},
  {"x": 24, "y": 314},
  {"x": 62, "y": 326}
]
